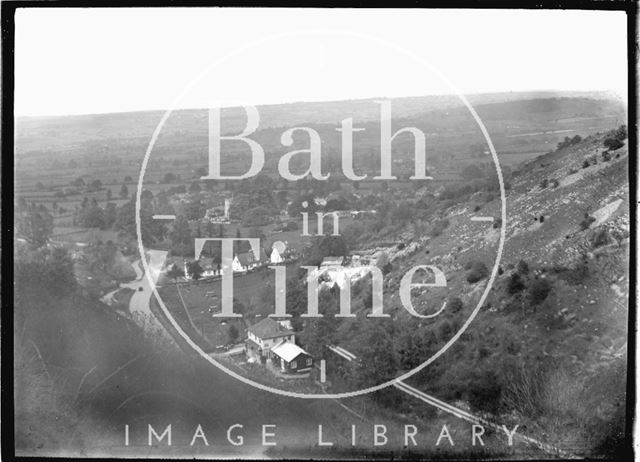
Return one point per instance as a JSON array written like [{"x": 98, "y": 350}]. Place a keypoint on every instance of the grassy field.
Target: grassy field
[
  {"x": 202, "y": 300},
  {"x": 84, "y": 235}
]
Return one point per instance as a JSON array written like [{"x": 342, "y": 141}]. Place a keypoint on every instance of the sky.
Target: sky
[{"x": 101, "y": 60}]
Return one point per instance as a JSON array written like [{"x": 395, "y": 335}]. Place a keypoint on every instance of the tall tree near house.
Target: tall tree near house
[
  {"x": 174, "y": 272},
  {"x": 195, "y": 188},
  {"x": 240, "y": 246},
  {"x": 194, "y": 270},
  {"x": 151, "y": 230},
  {"x": 234, "y": 333},
  {"x": 181, "y": 238}
]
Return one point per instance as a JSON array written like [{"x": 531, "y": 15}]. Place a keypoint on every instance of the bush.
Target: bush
[
  {"x": 588, "y": 219},
  {"x": 599, "y": 238},
  {"x": 538, "y": 291},
  {"x": 485, "y": 392},
  {"x": 515, "y": 284},
  {"x": 586, "y": 164},
  {"x": 290, "y": 226},
  {"x": 257, "y": 216},
  {"x": 438, "y": 227},
  {"x": 455, "y": 304},
  {"x": 613, "y": 143},
  {"x": 497, "y": 223},
  {"x": 615, "y": 139},
  {"x": 477, "y": 272},
  {"x": 544, "y": 183},
  {"x": 522, "y": 267},
  {"x": 445, "y": 330}
]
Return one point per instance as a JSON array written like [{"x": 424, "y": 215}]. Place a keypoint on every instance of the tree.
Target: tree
[
  {"x": 538, "y": 291},
  {"x": 477, "y": 271},
  {"x": 621, "y": 132},
  {"x": 515, "y": 284},
  {"x": 91, "y": 216},
  {"x": 169, "y": 178},
  {"x": 110, "y": 215},
  {"x": 233, "y": 333},
  {"x": 95, "y": 185},
  {"x": 181, "y": 238},
  {"x": 383, "y": 263},
  {"x": 522, "y": 267},
  {"x": 613, "y": 143},
  {"x": 379, "y": 361},
  {"x": 151, "y": 230},
  {"x": 455, "y": 304},
  {"x": 257, "y": 216},
  {"x": 128, "y": 179},
  {"x": 194, "y": 270},
  {"x": 195, "y": 188},
  {"x": 124, "y": 191},
  {"x": 35, "y": 227},
  {"x": 195, "y": 210},
  {"x": 109, "y": 194},
  {"x": 337, "y": 203},
  {"x": 174, "y": 272},
  {"x": 44, "y": 268}
]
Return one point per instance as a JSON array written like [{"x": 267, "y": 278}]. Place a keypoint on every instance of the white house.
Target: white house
[
  {"x": 243, "y": 262},
  {"x": 275, "y": 257},
  {"x": 266, "y": 334}
]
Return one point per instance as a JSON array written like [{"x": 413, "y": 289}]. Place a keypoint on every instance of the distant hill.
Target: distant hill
[{"x": 56, "y": 132}]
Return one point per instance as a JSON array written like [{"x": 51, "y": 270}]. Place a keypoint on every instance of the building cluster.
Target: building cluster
[{"x": 242, "y": 262}]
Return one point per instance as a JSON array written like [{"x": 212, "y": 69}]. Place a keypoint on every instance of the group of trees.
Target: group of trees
[
  {"x": 33, "y": 225},
  {"x": 568, "y": 142},
  {"x": 91, "y": 215},
  {"x": 615, "y": 138}
]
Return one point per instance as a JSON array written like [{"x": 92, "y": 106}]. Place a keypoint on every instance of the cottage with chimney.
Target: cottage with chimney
[{"x": 265, "y": 335}]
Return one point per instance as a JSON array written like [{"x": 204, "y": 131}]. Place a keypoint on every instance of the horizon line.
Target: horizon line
[{"x": 283, "y": 103}]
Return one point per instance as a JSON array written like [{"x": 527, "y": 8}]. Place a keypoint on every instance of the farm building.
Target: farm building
[
  {"x": 278, "y": 252},
  {"x": 332, "y": 261},
  {"x": 290, "y": 358},
  {"x": 243, "y": 262},
  {"x": 247, "y": 261},
  {"x": 266, "y": 334},
  {"x": 276, "y": 257}
]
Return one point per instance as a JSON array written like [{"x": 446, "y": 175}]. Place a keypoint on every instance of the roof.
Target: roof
[
  {"x": 288, "y": 351},
  {"x": 269, "y": 328},
  {"x": 245, "y": 259},
  {"x": 332, "y": 261}
]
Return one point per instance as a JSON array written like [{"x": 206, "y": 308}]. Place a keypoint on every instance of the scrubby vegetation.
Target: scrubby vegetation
[
  {"x": 615, "y": 138},
  {"x": 477, "y": 271}
]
